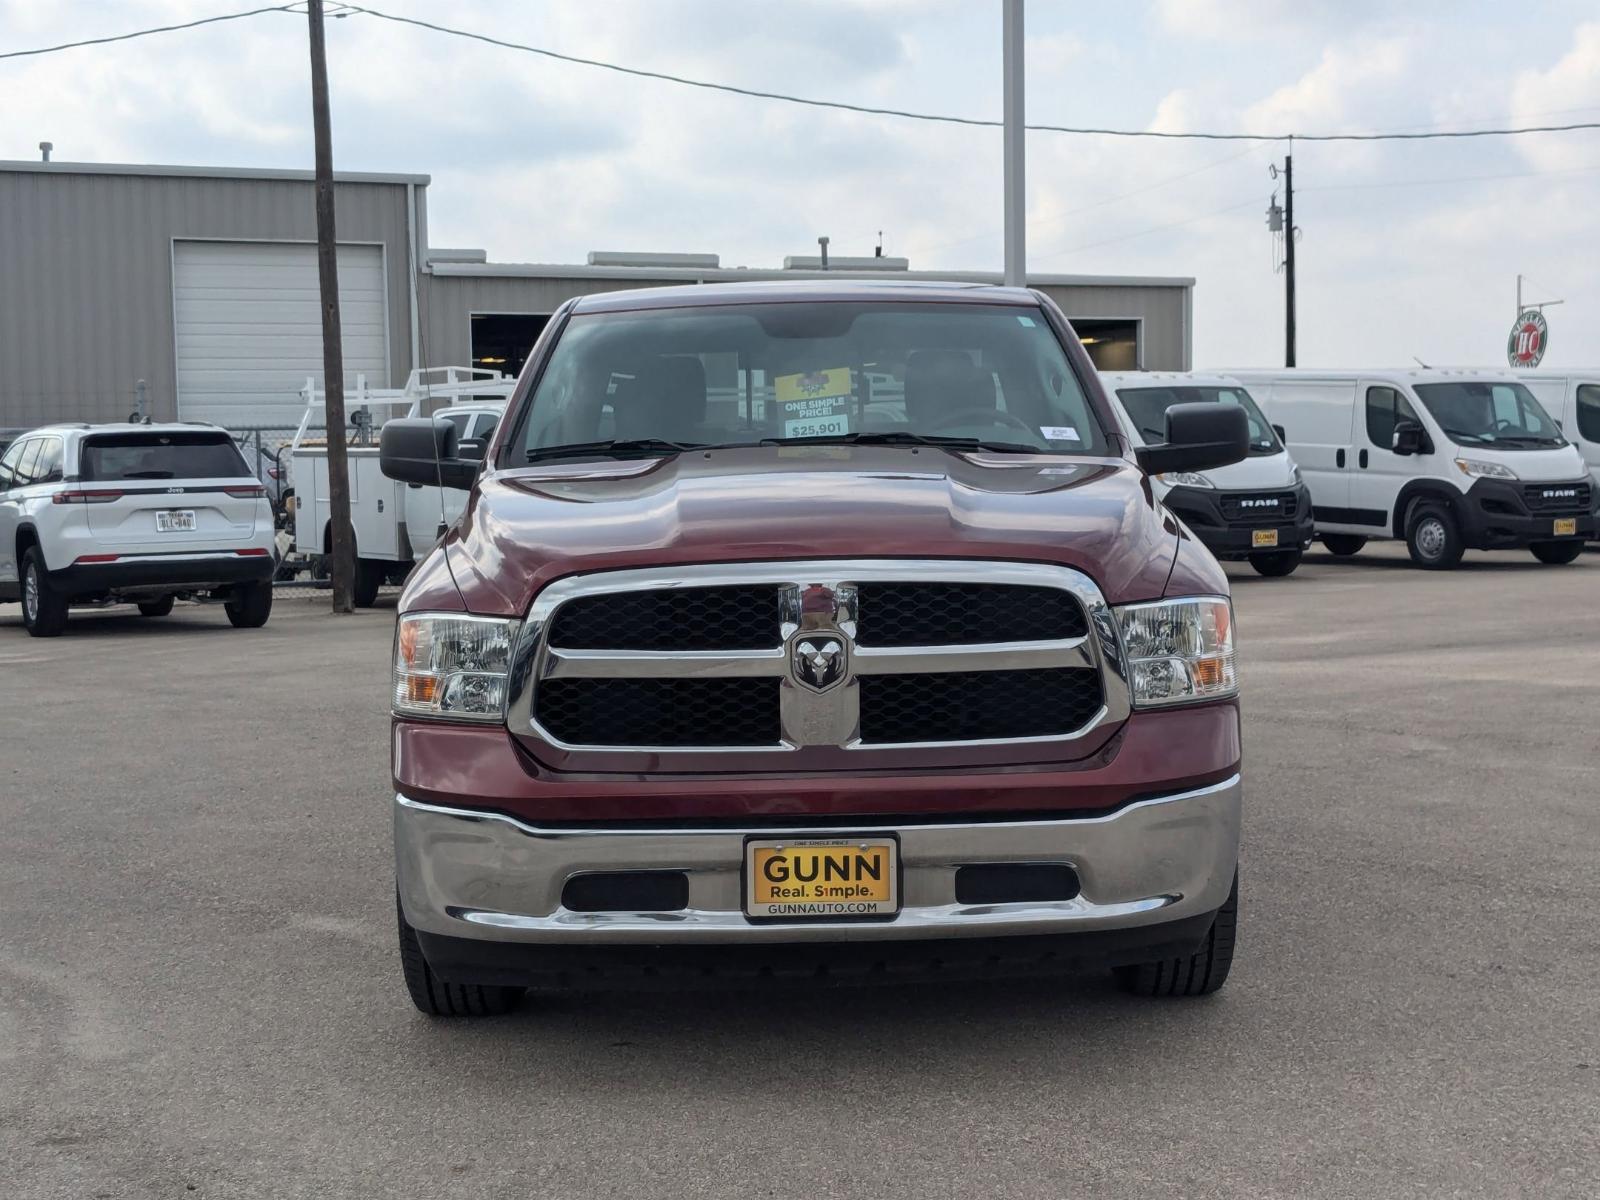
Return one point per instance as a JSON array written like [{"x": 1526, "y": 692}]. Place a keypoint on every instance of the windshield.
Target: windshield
[
  {"x": 1147, "y": 409},
  {"x": 972, "y": 376},
  {"x": 162, "y": 456},
  {"x": 1490, "y": 414}
]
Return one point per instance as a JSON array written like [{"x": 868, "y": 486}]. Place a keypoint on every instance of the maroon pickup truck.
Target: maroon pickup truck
[{"x": 812, "y": 630}]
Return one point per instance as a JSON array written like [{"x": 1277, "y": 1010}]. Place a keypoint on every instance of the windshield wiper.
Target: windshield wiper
[
  {"x": 615, "y": 448},
  {"x": 147, "y": 474},
  {"x": 1534, "y": 439},
  {"x": 901, "y": 438}
]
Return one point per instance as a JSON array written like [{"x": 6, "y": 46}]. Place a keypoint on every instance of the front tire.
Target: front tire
[
  {"x": 1556, "y": 553},
  {"x": 1343, "y": 545},
  {"x": 1275, "y": 566},
  {"x": 437, "y": 998},
  {"x": 249, "y": 605},
  {"x": 156, "y": 608},
  {"x": 1433, "y": 539},
  {"x": 1197, "y": 974},
  {"x": 44, "y": 610}
]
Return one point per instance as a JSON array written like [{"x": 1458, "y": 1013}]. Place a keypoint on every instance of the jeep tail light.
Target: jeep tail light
[
  {"x": 85, "y": 496},
  {"x": 252, "y": 491}
]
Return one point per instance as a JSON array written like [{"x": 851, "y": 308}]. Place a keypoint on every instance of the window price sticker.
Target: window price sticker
[{"x": 814, "y": 403}]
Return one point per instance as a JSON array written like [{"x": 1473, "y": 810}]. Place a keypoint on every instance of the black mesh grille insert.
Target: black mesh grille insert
[
  {"x": 953, "y": 614},
  {"x": 1264, "y": 508},
  {"x": 1557, "y": 497},
  {"x": 959, "y": 706},
  {"x": 660, "y": 712},
  {"x": 710, "y": 618}
]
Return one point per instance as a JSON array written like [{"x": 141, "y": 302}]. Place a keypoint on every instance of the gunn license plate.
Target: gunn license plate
[
  {"x": 1264, "y": 537},
  {"x": 795, "y": 879},
  {"x": 175, "y": 520},
  {"x": 1566, "y": 526}
]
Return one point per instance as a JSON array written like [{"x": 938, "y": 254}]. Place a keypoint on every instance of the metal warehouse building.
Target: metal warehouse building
[{"x": 202, "y": 283}]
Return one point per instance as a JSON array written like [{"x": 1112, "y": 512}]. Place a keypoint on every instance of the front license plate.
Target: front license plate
[
  {"x": 1263, "y": 537},
  {"x": 1566, "y": 526},
  {"x": 175, "y": 520},
  {"x": 799, "y": 879}
]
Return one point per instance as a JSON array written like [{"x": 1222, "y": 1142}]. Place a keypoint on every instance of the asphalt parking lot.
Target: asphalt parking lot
[{"x": 199, "y": 994}]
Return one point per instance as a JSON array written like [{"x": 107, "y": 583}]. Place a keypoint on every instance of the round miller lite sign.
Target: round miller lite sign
[{"x": 1529, "y": 337}]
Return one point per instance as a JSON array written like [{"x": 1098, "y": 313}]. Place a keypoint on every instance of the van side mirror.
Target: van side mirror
[
  {"x": 1282, "y": 436},
  {"x": 1199, "y": 437},
  {"x": 424, "y": 450},
  {"x": 1408, "y": 438}
]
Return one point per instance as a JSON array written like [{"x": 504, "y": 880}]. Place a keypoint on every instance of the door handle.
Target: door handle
[
  {"x": 1363, "y": 460},
  {"x": 1338, "y": 457}
]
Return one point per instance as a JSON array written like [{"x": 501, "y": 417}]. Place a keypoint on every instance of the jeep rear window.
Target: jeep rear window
[
  {"x": 154, "y": 455},
  {"x": 784, "y": 372}
]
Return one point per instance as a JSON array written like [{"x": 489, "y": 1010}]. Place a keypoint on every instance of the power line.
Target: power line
[
  {"x": 1393, "y": 183},
  {"x": 812, "y": 102},
  {"x": 944, "y": 118},
  {"x": 1126, "y": 237},
  {"x": 139, "y": 33}
]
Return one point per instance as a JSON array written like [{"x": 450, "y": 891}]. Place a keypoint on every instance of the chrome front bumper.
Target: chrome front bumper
[{"x": 484, "y": 876}]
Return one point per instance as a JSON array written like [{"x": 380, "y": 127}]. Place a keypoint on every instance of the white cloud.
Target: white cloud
[{"x": 1572, "y": 88}]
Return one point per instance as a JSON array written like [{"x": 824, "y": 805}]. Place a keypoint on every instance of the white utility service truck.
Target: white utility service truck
[{"x": 395, "y": 524}]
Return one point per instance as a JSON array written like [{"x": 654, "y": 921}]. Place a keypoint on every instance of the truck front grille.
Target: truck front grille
[
  {"x": 812, "y": 660},
  {"x": 969, "y": 706},
  {"x": 1265, "y": 508},
  {"x": 1571, "y": 498}
]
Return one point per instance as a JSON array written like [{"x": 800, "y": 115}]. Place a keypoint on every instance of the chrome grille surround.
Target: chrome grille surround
[{"x": 820, "y": 727}]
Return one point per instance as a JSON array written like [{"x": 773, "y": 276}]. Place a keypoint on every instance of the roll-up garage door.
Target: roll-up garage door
[{"x": 249, "y": 327}]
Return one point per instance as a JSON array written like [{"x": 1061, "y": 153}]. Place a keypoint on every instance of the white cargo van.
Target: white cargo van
[
  {"x": 1572, "y": 397},
  {"x": 1257, "y": 510},
  {"x": 1448, "y": 460}
]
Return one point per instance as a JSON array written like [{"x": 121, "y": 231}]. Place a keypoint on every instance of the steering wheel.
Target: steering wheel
[
  {"x": 983, "y": 416},
  {"x": 1499, "y": 425}
]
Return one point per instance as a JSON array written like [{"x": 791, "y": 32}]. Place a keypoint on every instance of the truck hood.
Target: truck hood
[{"x": 526, "y": 527}]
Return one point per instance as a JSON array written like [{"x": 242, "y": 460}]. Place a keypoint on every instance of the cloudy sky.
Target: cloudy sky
[{"x": 1407, "y": 249}]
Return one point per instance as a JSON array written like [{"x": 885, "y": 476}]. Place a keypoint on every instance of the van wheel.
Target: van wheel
[
  {"x": 369, "y": 578},
  {"x": 249, "y": 605},
  {"x": 437, "y": 998},
  {"x": 1198, "y": 974},
  {"x": 1432, "y": 537},
  {"x": 1343, "y": 544},
  {"x": 1556, "y": 553},
  {"x": 156, "y": 608},
  {"x": 44, "y": 610},
  {"x": 1276, "y": 565}
]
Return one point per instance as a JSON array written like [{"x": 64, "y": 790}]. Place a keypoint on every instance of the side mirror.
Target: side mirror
[
  {"x": 423, "y": 450},
  {"x": 1282, "y": 436},
  {"x": 471, "y": 448},
  {"x": 1407, "y": 438},
  {"x": 1199, "y": 437}
]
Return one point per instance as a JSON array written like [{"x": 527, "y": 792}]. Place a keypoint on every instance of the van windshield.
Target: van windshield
[
  {"x": 967, "y": 376},
  {"x": 1147, "y": 408},
  {"x": 1475, "y": 413}
]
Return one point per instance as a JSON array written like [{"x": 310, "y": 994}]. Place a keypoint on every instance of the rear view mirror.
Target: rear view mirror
[
  {"x": 1408, "y": 438},
  {"x": 471, "y": 448},
  {"x": 1199, "y": 437},
  {"x": 423, "y": 450}
]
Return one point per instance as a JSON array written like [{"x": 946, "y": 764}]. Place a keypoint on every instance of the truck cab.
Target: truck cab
[
  {"x": 1257, "y": 510},
  {"x": 812, "y": 629}
]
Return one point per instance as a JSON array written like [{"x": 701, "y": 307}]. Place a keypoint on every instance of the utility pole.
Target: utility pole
[
  {"x": 1288, "y": 256},
  {"x": 1016, "y": 194},
  {"x": 341, "y": 559}
]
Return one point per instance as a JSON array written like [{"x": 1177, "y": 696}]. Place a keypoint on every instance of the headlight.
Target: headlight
[
  {"x": 1178, "y": 651},
  {"x": 452, "y": 666},
  {"x": 1294, "y": 474},
  {"x": 1185, "y": 479},
  {"x": 1484, "y": 470}
]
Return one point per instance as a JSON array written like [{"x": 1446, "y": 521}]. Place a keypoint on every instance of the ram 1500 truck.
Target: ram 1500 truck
[{"x": 828, "y": 630}]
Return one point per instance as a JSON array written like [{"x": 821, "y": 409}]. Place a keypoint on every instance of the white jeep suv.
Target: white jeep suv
[{"x": 137, "y": 513}]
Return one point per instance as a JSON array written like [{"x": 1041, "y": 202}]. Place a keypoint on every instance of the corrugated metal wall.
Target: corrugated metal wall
[
  {"x": 450, "y": 300},
  {"x": 86, "y": 277}
]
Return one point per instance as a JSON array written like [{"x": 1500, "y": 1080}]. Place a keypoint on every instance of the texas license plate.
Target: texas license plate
[
  {"x": 797, "y": 879},
  {"x": 1263, "y": 538},
  {"x": 1566, "y": 526},
  {"x": 175, "y": 520}
]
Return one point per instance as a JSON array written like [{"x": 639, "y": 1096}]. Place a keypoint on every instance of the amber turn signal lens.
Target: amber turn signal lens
[
  {"x": 421, "y": 689},
  {"x": 1209, "y": 672}
]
